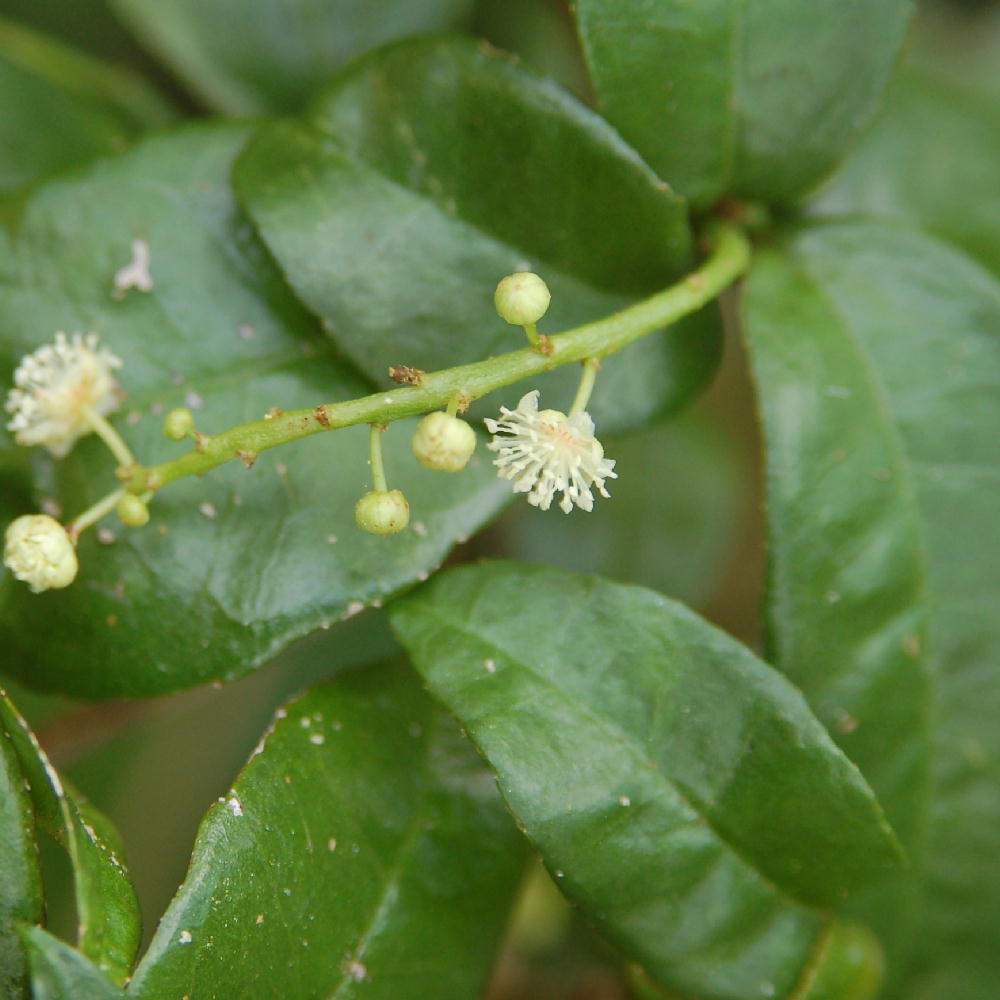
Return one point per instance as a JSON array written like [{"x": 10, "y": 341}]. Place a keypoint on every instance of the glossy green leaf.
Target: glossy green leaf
[
  {"x": 59, "y": 972},
  {"x": 932, "y": 158},
  {"x": 755, "y": 98},
  {"x": 678, "y": 789},
  {"x": 433, "y": 168},
  {"x": 271, "y": 54},
  {"x": 362, "y": 852},
  {"x": 59, "y": 107},
  {"x": 238, "y": 563},
  {"x": 20, "y": 877},
  {"x": 846, "y": 601},
  {"x": 922, "y": 321},
  {"x": 107, "y": 909}
]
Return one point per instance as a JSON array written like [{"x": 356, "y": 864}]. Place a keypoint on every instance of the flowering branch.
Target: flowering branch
[
  {"x": 729, "y": 258},
  {"x": 64, "y": 390}
]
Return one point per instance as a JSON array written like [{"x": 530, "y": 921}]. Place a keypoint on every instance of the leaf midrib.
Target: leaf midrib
[{"x": 619, "y": 737}]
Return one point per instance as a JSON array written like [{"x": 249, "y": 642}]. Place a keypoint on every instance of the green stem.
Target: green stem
[
  {"x": 378, "y": 469},
  {"x": 91, "y": 515},
  {"x": 109, "y": 436},
  {"x": 586, "y": 387},
  {"x": 531, "y": 329},
  {"x": 728, "y": 260}
]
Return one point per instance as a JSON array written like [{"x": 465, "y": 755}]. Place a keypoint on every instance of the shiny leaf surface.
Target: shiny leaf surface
[
  {"x": 59, "y": 972},
  {"x": 233, "y": 565},
  {"x": 20, "y": 877},
  {"x": 274, "y": 53},
  {"x": 59, "y": 107},
  {"x": 755, "y": 98},
  {"x": 678, "y": 789},
  {"x": 933, "y": 158},
  {"x": 363, "y": 851},
  {"x": 107, "y": 909},
  {"x": 924, "y": 320}
]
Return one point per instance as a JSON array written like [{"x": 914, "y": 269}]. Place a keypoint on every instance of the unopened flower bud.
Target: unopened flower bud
[
  {"x": 178, "y": 424},
  {"x": 382, "y": 512},
  {"x": 443, "y": 442},
  {"x": 132, "y": 511},
  {"x": 38, "y": 551},
  {"x": 522, "y": 298}
]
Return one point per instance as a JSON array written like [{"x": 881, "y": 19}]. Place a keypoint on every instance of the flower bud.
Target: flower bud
[
  {"x": 178, "y": 424},
  {"x": 443, "y": 443},
  {"x": 38, "y": 551},
  {"x": 382, "y": 512},
  {"x": 522, "y": 298},
  {"x": 132, "y": 511}
]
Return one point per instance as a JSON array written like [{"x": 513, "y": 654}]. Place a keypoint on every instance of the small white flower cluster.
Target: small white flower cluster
[
  {"x": 57, "y": 391},
  {"x": 55, "y": 385},
  {"x": 545, "y": 452}
]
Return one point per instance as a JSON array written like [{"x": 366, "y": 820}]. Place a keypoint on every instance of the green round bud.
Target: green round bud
[
  {"x": 132, "y": 511},
  {"x": 444, "y": 443},
  {"x": 178, "y": 424},
  {"x": 522, "y": 298},
  {"x": 382, "y": 513}
]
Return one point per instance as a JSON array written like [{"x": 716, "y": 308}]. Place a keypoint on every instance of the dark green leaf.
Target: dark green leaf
[
  {"x": 59, "y": 972},
  {"x": 362, "y": 852},
  {"x": 435, "y": 167},
  {"x": 750, "y": 97},
  {"x": 932, "y": 158},
  {"x": 107, "y": 909},
  {"x": 922, "y": 320},
  {"x": 677, "y": 788},
  {"x": 236, "y": 564},
  {"x": 271, "y": 54},
  {"x": 20, "y": 878},
  {"x": 846, "y": 601},
  {"x": 59, "y": 107}
]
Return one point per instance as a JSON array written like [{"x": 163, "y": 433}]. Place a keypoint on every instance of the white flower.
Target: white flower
[
  {"x": 54, "y": 388},
  {"x": 546, "y": 451},
  {"x": 38, "y": 551}
]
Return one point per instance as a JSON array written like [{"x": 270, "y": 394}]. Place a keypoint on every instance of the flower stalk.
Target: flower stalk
[
  {"x": 728, "y": 260},
  {"x": 590, "y": 369}
]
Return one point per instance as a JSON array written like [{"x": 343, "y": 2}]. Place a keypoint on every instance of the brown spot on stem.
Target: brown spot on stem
[
  {"x": 405, "y": 375},
  {"x": 544, "y": 345},
  {"x": 275, "y": 411},
  {"x": 321, "y": 415},
  {"x": 247, "y": 457},
  {"x": 200, "y": 441}
]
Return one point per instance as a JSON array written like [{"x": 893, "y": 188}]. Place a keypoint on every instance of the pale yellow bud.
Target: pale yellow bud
[
  {"x": 522, "y": 298},
  {"x": 444, "y": 443},
  {"x": 382, "y": 512},
  {"x": 132, "y": 511},
  {"x": 178, "y": 423},
  {"x": 38, "y": 551}
]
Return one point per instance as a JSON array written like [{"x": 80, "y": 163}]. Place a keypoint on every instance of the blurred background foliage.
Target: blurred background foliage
[{"x": 686, "y": 518}]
